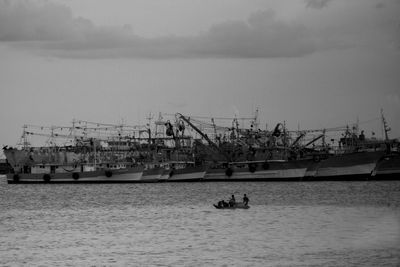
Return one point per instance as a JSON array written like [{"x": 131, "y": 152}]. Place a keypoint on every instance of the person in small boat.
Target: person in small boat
[
  {"x": 232, "y": 201},
  {"x": 222, "y": 204},
  {"x": 245, "y": 200}
]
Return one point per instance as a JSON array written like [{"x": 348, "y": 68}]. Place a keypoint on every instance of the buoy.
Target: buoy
[
  {"x": 46, "y": 177},
  {"x": 16, "y": 178},
  {"x": 229, "y": 172},
  {"x": 75, "y": 175},
  {"x": 252, "y": 167}
]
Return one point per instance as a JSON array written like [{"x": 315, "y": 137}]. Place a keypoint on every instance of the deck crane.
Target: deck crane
[
  {"x": 297, "y": 140},
  {"x": 215, "y": 146},
  {"x": 314, "y": 140}
]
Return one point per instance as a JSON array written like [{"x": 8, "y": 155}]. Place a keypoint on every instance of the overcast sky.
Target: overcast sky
[{"x": 313, "y": 63}]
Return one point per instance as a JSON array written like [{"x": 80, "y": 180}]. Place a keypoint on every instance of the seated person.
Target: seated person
[
  {"x": 245, "y": 200},
  {"x": 232, "y": 201}
]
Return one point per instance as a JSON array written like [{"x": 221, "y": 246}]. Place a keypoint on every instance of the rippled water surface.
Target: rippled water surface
[{"x": 288, "y": 224}]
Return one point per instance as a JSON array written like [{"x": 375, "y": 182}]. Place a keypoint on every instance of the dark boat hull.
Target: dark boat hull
[
  {"x": 237, "y": 206},
  {"x": 348, "y": 167}
]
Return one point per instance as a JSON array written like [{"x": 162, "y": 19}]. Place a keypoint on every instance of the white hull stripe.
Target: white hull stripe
[{"x": 352, "y": 170}]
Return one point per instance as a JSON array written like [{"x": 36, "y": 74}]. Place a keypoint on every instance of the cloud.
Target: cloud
[
  {"x": 34, "y": 21},
  {"x": 263, "y": 35},
  {"x": 50, "y": 28},
  {"x": 317, "y": 4},
  {"x": 53, "y": 23}
]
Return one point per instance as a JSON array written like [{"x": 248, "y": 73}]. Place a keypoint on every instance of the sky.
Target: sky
[{"x": 311, "y": 63}]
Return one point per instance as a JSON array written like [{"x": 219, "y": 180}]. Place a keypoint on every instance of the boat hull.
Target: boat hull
[
  {"x": 99, "y": 176},
  {"x": 355, "y": 166},
  {"x": 187, "y": 174},
  {"x": 152, "y": 175},
  {"x": 388, "y": 167},
  {"x": 237, "y": 206},
  {"x": 267, "y": 171}
]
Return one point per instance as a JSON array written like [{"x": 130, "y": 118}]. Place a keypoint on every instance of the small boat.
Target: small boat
[{"x": 239, "y": 205}]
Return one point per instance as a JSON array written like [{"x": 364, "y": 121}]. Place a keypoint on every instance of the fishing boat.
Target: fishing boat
[
  {"x": 238, "y": 205},
  {"x": 238, "y": 154},
  {"x": 188, "y": 149},
  {"x": 98, "y": 152},
  {"x": 83, "y": 159}
]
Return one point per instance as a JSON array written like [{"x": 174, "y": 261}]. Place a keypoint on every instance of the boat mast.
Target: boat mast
[
  {"x": 256, "y": 122},
  {"x": 24, "y": 137},
  {"x": 149, "y": 118},
  {"x": 284, "y": 140},
  {"x": 94, "y": 151},
  {"x": 215, "y": 129},
  {"x": 386, "y": 128}
]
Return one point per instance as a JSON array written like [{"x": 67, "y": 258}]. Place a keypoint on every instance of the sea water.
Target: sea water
[{"x": 175, "y": 224}]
